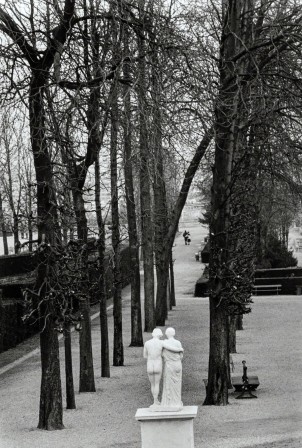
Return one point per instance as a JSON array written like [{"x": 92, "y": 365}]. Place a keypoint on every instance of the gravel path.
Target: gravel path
[{"x": 270, "y": 343}]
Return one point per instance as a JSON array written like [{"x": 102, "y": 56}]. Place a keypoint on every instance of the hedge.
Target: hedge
[
  {"x": 289, "y": 278},
  {"x": 279, "y": 272},
  {"x": 17, "y": 264},
  {"x": 12, "y": 328}
]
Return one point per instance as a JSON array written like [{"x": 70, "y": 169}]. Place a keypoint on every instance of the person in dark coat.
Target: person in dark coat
[
  {"x": 185, "y": 235},
  {"x": 188, "y": 238}
]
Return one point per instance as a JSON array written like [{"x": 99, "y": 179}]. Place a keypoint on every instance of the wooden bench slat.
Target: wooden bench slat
[
  {"x": 238, "y": 383},
  {"x": 267, "y": 288}
]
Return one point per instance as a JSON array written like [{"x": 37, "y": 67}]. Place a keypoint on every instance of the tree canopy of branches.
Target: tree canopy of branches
[{"x": 127, "y": 96}]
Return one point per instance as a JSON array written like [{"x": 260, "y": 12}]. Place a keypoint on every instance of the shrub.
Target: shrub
[{"x": 276, "y": 255}]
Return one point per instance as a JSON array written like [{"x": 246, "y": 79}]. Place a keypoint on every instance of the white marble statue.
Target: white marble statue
[
  {"x": 152, "y": 351},
  {"x": 170, "y": 352},
  {"x": 172, "y": 372}
]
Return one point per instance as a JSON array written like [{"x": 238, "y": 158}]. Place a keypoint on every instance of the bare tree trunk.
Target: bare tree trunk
[
  {"x": 11, "y": 196},
  {"x": 239, "y": 322},
  {"x": 160, "y": 224},
  {"x": 1, "y": 322},
  {"x": 80, "y": 213},
  {"x": 86, "y": 379},
  {"x": 172, "y": 281},
  {"x": 232, "y": 334},
  {"x": 145, "y": 194},
  {"x": 30, "y": 224},
  {"x": 218, "y": 376},
  {"x": 118, "y": 349},
  {"x": 29, "y": 209},
  {"x": 70, "y": 398},
  {"x": 227, "y": 115},
  {"x": 87, "y": 383},
  {"x": 136, "y": 317},
  {"x": 105, "y": 364},
  {"x": 160, "y": 211},
  {"x": 16, "y": 233},
  {"x": 3, "y": 228},
  {"x": 51, "y": 409},
  {"x": 94, "y": 147}
]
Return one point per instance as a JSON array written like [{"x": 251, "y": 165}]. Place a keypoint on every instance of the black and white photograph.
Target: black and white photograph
[{"x": 150, "y": 223}]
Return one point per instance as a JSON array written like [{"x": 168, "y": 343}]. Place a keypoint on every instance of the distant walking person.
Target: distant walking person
[
  {"x": 185, "y": 235},
  {"x": 188, "y": 238}
]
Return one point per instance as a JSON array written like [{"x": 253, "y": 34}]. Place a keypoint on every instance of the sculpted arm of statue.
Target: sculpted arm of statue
[{"x": 177, "y": 348}]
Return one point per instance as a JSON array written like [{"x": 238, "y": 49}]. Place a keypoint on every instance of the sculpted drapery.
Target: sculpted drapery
[{"x": 172, "y": 379}]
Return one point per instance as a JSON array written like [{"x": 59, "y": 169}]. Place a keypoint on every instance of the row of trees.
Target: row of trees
[
  {"x": 257, "y": 148},
  {"x": 16, "y": 173},
  {"x": 106, "y": 87},
  {"x": 139, "y": 90}
]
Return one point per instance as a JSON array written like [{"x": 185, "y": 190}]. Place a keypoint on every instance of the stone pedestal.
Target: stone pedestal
[{"x": 169, "y": 429}]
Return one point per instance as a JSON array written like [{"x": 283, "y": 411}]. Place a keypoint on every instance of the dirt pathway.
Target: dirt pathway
[{"x": 270, "y": 343}]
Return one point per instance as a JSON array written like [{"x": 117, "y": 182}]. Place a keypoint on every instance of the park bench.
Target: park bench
[
  {"x": 266, "y": 288},
  {"x": 237, "y": 383},
  {"x": 243, "y": 384}
]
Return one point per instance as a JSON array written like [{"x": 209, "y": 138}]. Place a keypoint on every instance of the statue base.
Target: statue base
[
  {"x": 167, "y": 429},
  {"x": 160, "y": 408}
]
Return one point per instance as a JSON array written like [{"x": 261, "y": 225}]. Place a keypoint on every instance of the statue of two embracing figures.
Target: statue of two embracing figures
[{"x": 164, "y": 359}]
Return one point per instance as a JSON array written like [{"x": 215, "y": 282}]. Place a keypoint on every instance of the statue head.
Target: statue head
[
  {"x": 157, "y": 333},
  {"x": 170, "y": 332}
]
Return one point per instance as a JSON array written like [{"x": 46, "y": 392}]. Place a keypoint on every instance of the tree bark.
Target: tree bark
[
  {"x": 160, "y": 211},
  {"x": 105, "y": 364},
  {"x": 70, "y": 398},
  {"x": 16, "y": 233},
  {"x": 232, "y": 334},
  {"x": 227, "y": 114},
  {"x": 30, "y": 222},
  {"x": 217, "y": 388},
  {"x": 87, "y": 383},
  {"x": 1, "y": 322},
  {"x": 3, "y": 228},
  {"x": 172, "y": 281},
  {"x": 136, "y": 317},
  {"x": 145, "y": 194},
  {"x": 118, "y": 349},
  {"x": 51, "y": 409},
  {"x": 239, "y": 322}
]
